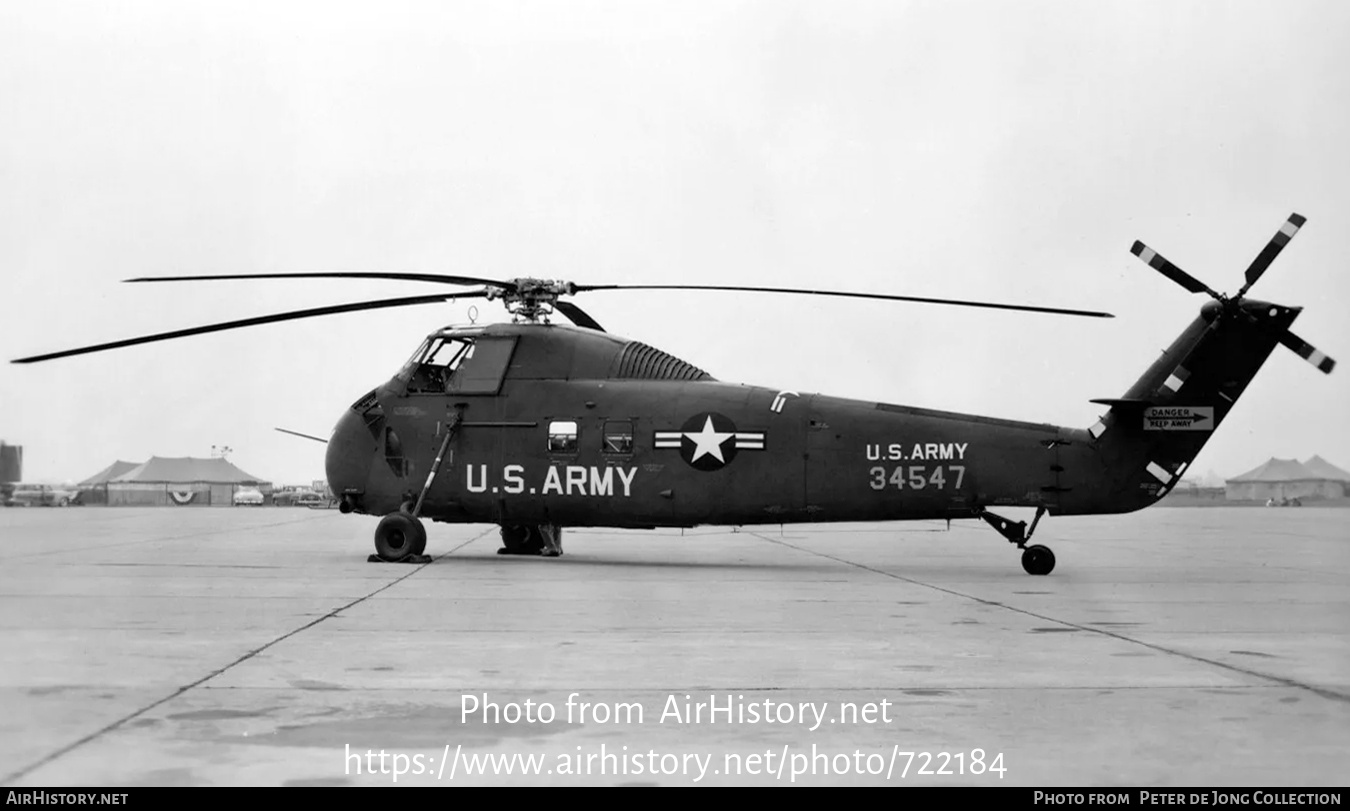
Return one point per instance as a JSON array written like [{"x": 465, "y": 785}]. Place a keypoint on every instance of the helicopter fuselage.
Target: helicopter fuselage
[{"x": 564, "y": 427}]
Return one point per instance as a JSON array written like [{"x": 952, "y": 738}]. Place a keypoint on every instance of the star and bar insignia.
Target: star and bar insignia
[{"x": 709, "y": 441}]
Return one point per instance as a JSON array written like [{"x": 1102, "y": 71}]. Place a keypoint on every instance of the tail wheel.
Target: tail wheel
[
  {"x": 1038, "y": 559},
  {"x": 399, "y": 536}
]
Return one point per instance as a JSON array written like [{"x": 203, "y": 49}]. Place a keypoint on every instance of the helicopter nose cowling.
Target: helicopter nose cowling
[{"x": 347, "y": 462}]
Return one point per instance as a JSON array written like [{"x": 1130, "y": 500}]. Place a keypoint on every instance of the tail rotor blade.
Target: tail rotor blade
[
  {"x": 1156, "y": 261},
  {"x": 1272, "y": 250},
  {"x": 1308, "y": 352}
]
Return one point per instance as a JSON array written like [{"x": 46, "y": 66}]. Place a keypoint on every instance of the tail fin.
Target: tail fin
[{"x": 1148, "y": 437}]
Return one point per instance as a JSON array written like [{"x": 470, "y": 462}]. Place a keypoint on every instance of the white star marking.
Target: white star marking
[{"x": 708, "y": 442}]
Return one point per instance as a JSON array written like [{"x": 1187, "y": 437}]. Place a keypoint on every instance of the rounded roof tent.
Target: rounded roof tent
[
  {"x": 187, "y": 469},
  {"x": 1277, "y": 470},
  {"x": 109, "y": 473},
  {"x": 1291, "y": 470},
  {"x": 1323, "y": 469}
]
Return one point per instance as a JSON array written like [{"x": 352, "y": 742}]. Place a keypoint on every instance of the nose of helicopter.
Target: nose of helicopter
[{"x": 347, "y": 462}]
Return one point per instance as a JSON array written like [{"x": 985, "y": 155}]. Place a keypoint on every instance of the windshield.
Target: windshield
[
  {"x": 408, "y": 368},
  {"x": 429, "y": 371}
]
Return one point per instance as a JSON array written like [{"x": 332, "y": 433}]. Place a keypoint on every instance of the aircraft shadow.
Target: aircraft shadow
[{"x": 803, "y": 564}]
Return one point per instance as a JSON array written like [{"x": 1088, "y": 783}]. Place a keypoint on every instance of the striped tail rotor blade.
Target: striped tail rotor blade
[
  {"x": 1272, "y": 250},
  {"x": 1156, "y": 261},
  {"x": 1308, "y": 352}
]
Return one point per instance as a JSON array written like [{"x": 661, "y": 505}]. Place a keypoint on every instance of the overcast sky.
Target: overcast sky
[{"x": 1007, "y": 151}]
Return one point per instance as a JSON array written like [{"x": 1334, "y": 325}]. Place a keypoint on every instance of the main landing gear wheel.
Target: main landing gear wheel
[
  {"x": 407, "y": 508},
  {"x": 1038, "y": 559},
  {"x": 399, "y": 536},
  {"x": 521, "y": 539}
]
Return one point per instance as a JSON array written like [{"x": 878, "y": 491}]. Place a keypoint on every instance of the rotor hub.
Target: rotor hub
[{"x": 531, "y": 300}]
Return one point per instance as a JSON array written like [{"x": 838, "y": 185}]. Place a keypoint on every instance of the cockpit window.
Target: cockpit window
[
  {"x": 483, "y": 370},
  {"x": 431, "y": 369},
  {"x": 448, "y": 353},
  {"x": 459, "y": 365}
]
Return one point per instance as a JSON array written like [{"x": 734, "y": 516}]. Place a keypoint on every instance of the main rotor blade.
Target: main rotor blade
[
  {"x": 1156, "y": 261},
  {"x": 407, "y": 277},
  {"x": 577, "y": 315},
  {"x": 1272, "y": 250},
  {"x": 253, "y": 322},
  {"x": 297, "y": 433},
  {"x": 1307, "y": 351},
  {"x": 840, "y": 293}
]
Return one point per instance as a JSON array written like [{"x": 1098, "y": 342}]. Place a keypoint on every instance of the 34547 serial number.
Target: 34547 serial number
[{"x": 917, "y": 477}]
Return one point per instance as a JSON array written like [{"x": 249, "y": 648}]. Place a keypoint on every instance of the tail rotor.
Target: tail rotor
[{"x": 1233, "y": 306}]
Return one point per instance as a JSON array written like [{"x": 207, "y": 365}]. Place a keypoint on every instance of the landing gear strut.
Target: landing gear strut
[
  {"x": 531, "y": 539},
  {"x": 401, "y": 537},
  {"x": 1036, "y": 559}
]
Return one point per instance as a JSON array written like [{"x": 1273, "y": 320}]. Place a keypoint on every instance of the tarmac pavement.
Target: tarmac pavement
[{"x": 237, "y": 646}]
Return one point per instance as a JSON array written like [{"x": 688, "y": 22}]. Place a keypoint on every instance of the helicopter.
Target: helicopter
[{"x": 538, "y": 426}]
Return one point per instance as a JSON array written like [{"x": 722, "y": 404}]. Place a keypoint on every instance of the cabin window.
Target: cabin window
[
  {"x": 562, "y": 436},
  {"x": 618, "y": 436}
]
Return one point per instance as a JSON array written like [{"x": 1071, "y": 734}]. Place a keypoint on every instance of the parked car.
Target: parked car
[
  {"x": 311, "y": 500},
  {"x": 284, "y": 498},
  {"x": 291, "y": 497},
  {"x": 248, "y": 496},
  {"x": 43, "y": 495}
]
